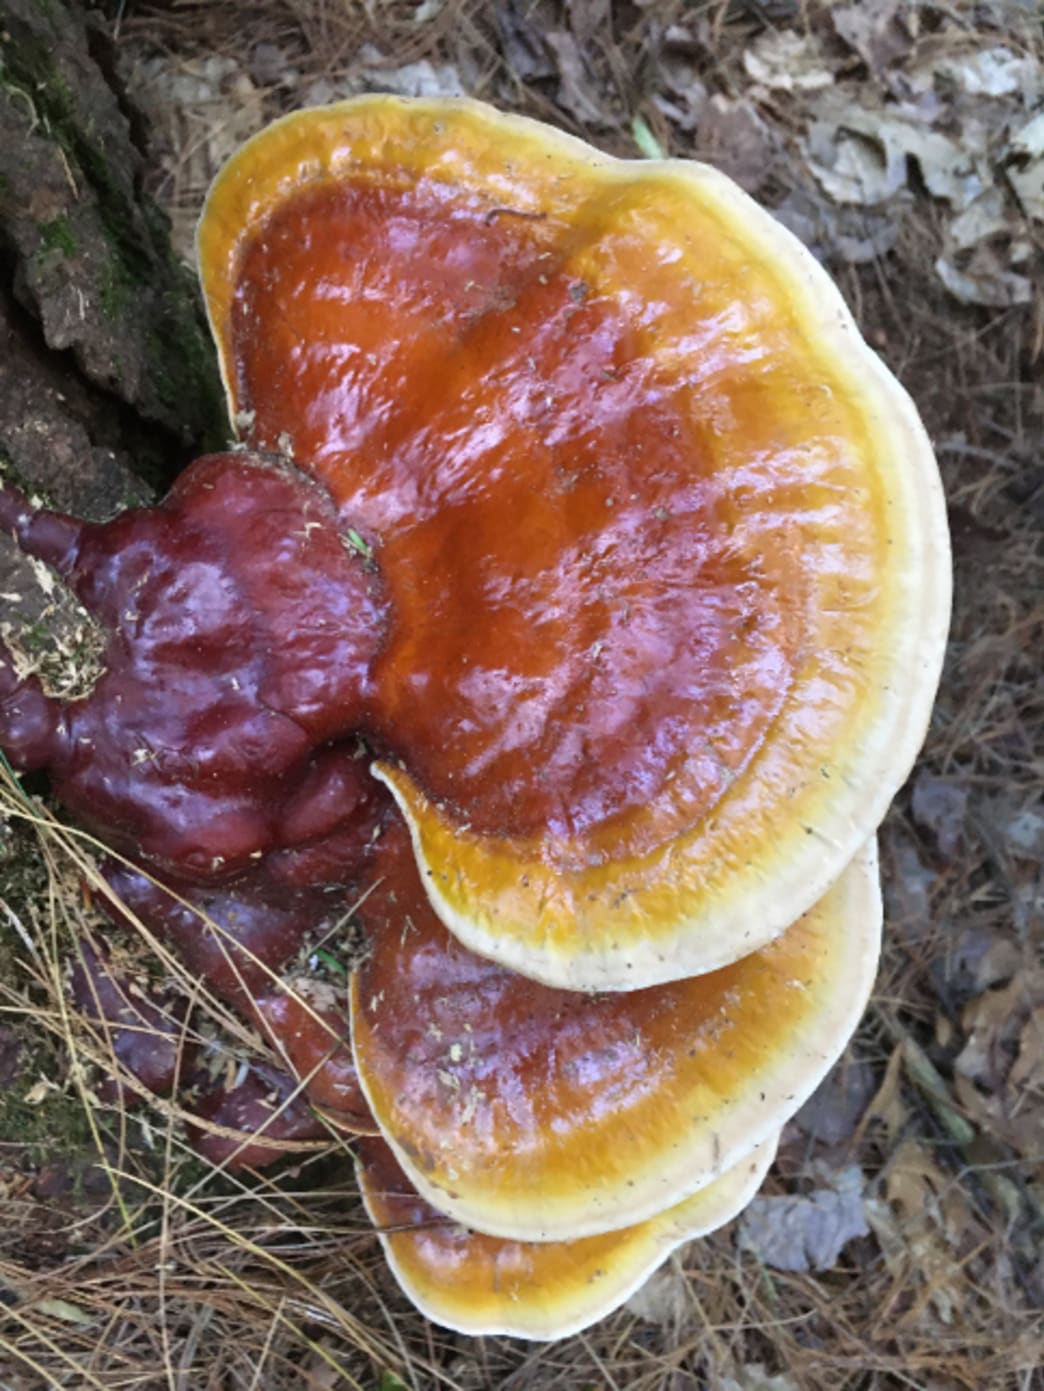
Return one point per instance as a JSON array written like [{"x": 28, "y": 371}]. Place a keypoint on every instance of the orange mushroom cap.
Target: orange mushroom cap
[
  {"x": 539, "y": 1114},
  {"x": 482, "y": 1284},
  {"x": 662, "y": 541}
]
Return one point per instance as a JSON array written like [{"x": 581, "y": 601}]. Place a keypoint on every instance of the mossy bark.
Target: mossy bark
[
  {"x": 108, "y": 386},
  {"x": 91, "y": 296}
]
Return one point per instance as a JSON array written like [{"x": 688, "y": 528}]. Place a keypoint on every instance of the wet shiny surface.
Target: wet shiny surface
[
  {"x": 661, "y": 541},
  {"x": 146, "y": 1034},
  {"x": 242, "y": 628},
  {"x": 575, "y": 585},
  {"x": 252, "y": 1121},
  {"x": 236, "y": 938},
  {"x": 308, "y": 1024},
  {"x": 527, "y": 1111},
  {"x": 479, "y": 1284}
]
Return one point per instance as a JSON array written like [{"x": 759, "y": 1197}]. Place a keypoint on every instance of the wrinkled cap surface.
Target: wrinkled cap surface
[
  {"x": 661, "y": 541},
  {"x": 540, "y": 1114}
]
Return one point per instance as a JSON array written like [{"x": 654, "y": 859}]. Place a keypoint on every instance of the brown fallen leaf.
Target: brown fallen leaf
[
  {"x": 734, "y": 138},
  {"x": 985, "y": 280},
  {"x": 576, "y": 89},
  {"x": 802, "y": 1233},
  {"x": 875, "y": 30},
  {"x": 939, "y": 805}
]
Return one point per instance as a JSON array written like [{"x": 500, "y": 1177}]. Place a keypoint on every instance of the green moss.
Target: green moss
[
  {"x": 58, "y": 236},
  {"x": 117, "y": 291},
  {"x": 57, "y": 1125},
  {"x": 181, "y": 365}
]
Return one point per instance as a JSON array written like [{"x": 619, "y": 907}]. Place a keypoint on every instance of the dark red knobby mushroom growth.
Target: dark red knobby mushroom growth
[{"x": 573, "y": 513}]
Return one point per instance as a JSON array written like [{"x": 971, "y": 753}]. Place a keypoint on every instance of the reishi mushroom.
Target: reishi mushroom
[
  {"x": 571, "y": 508},
  {"x": 539, "y": 1114},
  {"x": 539, "y": 1290},
  {"x": 662, "y": 540}
]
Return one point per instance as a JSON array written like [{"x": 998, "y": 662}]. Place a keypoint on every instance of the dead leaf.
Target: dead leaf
[
  {"x": 909, "y": 885},
  {"x": 806, "y": 1232},
  {"x": 521, "y": 27},
  {"x": 911, "y": 1180},
  {"x": 1025, "y": 167},
  {"x": 832, "y": 1112},
  {"x": 269, "y": 66},
  {"x": 985, "y": 280},
  {"x": 65, "y": 1311},
  {"x": 939, "y": 805},
  {"x": 916, "y": 1255},
  {"x": 664, "y": 1299},
  {"x": 998, "y": 1072},
  {"x": 373, "y": 73},
  {"x": 39, "y": 1092},
  {"x": 981, "y": 958},
  {"x": 992, "y": 72},
  {"x": 852, "y": 234},
  {"x": 1024, "y": 833},
  {"x": 589, "y": 18},
  {"x": 683, "y": 97},
  {"x": 420, "y": 79},
  {"x": 874, "y": 30},
  {"x": 858, "y": 153},
  {"x": 734, "y": 138},
  {"x": 992, "y": 1023},
  {"x": 575, "y": 88},
  {"x": 888, "y": 1104},
  {"x": 788, "y": 62},
  {"x": 987, "y": 217},
  {"x": 1028, "y": 1068},
  {"x": 852, "y": 167}
]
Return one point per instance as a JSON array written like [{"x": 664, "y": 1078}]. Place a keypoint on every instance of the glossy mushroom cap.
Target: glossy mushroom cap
[
  {"x": 661, "y": 542},
  {"x": 307, "y": 1021},
  {"x": 240, "y": 632},
  {"x": 547, "y": 1115},
  {"x": 482, "y": 1284}
]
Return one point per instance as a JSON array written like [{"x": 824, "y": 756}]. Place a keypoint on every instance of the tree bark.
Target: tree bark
[{"x": 108, "y": 382}]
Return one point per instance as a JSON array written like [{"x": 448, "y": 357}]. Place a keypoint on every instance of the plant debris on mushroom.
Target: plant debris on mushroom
[{"x": 546, "y": 1115}]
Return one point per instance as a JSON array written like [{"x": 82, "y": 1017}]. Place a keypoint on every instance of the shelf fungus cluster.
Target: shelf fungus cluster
[{"x": 574, "y": 600}]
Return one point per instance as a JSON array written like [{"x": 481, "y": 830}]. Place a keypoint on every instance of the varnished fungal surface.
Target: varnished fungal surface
[
  {"x": 480, "y": 1284},
  {"x": 241, "y": 630},
  {"x": 543, "y": 1114},
  {"x": 307, "y": 1021},
  {"x": 661, "y": 542},
  {"x": 255, "y": 1119}
]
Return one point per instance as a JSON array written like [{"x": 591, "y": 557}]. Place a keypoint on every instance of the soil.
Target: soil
[{"x": 122, "y": 1262}]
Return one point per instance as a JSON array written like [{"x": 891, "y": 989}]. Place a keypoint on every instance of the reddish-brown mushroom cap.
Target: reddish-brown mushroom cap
[
  {"x": 544, "y": 1115},
  {"x": 481, "y": 1284},
  {"x": 662, "y": 542},
  {"x": 307, "y": 1021}
]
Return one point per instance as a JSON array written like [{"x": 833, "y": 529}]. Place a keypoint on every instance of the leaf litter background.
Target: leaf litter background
[{"x": 897, "y": 1242}]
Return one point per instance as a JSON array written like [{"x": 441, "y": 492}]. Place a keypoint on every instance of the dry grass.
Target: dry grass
[{"x": 163, "y": 1275}]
